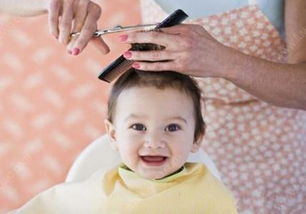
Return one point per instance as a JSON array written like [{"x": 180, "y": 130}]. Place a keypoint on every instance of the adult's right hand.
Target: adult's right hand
[{"x": 67, "y": 16}]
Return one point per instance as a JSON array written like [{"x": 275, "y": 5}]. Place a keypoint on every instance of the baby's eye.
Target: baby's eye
[
  {"x": 138, "y": 127},
  {"x": 172, "y": 128}
]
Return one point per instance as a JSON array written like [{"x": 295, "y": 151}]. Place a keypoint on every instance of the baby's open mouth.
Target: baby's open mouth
[{"x": 153, "y": 160}]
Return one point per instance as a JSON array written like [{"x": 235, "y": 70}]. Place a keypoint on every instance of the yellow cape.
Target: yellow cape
[{"x": 121, "y": 191}]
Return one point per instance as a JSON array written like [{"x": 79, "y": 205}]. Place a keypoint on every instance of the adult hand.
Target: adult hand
[
  {"x": 188, "y": 49},
  {"x": 67, "y": 16}
]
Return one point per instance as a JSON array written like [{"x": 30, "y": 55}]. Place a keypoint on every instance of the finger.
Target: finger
[
  {"x": 54, "y": 10},
  {"x": 74, "y": 46},
  {"x": 156, "y": 66},
  {"x": 80, "y": 15},
  {"x": 149, "y": 55},
  {"x": 79, "y": 19},
  {"x": 100, "y": 44},
  {"x": 176, "y": 29},
  {"x": 187, "y": 29},
  {"x": 66, "y": 22},
  {"x": 155, "y": 37},
  {"x": 90, "y": 26}
]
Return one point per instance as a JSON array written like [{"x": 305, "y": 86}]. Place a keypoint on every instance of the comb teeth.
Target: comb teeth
[{"x": 115, "y": 69}]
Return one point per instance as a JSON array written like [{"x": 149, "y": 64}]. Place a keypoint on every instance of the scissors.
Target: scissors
[{"x": 118, "y": 29}]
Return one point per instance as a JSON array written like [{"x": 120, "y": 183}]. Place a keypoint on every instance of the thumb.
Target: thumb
[{"x": 100, "y": 44}]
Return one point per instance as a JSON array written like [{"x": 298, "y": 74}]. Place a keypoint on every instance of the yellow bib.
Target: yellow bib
[{"x": 191, "y": 190}]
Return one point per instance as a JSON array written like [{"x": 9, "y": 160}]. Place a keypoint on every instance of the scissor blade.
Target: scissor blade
[
  {"x": 119, "y": 28},
  {"x": 135, "y": 27}
]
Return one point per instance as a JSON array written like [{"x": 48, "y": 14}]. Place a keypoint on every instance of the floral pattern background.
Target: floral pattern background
[{"x": 52, "y": 104}]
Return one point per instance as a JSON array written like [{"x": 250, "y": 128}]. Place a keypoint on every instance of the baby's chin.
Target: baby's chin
[
  {"x": 156, "y": 174},
  {"x": 153, "y": 176},
  {"x": 154, "y": 171}
]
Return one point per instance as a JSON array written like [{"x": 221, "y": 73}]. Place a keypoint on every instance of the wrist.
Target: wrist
[
  {"x": 225, "y": 63},
  {"x": 41, "y": 6},
  {"x": 31, "y": 8},
  {"x": 235, "y": 64},
  {"x": 44, "y": 5}
]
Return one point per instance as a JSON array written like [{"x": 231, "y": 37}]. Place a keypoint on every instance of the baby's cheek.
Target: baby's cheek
[
  {"x": 180, "y": 150},
  {"x": 136, "y": 134},
  {"x": 129, "y": 135},
  {"x": 128, "y": 156},
  {"x": 130, "y": 147}
]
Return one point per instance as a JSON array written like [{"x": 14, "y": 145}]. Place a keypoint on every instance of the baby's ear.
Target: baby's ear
[
  {"x": 111, "y": 132},
  {"x": 197, "y": 144},
  {"x": 195, "y": 148}
]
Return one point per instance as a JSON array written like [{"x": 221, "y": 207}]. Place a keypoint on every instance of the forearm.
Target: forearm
[
  {"x": 279, "y": 84},
  {"x": 295, "y": 25},
  {"x": 23, "y": 7}
]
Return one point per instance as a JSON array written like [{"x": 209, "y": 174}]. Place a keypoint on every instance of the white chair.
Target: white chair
[{"x": 99, "y": 155}]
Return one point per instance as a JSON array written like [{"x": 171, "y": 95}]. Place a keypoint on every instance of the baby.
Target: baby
[{"x": 154, "y": 122}]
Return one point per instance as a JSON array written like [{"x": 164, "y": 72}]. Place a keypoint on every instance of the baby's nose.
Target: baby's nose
[{"x": 154, "y": 140}]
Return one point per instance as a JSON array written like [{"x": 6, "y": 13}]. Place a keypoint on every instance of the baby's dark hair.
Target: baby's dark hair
[{"x": 159, "y": 80}]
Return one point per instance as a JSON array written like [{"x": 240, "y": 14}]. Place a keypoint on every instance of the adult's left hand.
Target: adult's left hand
[{"x": 189, "y": 49}]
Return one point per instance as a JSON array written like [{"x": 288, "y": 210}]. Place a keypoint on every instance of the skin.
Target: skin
[{"x": 140, "y": 128}]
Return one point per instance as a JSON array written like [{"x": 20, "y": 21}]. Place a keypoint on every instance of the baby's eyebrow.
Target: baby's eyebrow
[
  {"x": 134, "y": 116},
  {"x": 178, "y": 118}
]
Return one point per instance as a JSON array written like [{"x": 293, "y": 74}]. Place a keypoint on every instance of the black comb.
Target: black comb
[{"x": 121, "y": 64}]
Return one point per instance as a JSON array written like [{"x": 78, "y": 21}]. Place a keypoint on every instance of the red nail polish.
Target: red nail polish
[
  {"x": 127, "y": 54},
  {"x": 75, "y": 51},
  {"x": 123, "y": 37},
  {"x": 136, "y": 65}
]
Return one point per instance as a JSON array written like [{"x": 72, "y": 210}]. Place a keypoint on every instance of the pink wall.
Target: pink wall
[{"x": 51, "y": 104}]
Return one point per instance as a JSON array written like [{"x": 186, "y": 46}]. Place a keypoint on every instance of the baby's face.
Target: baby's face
[{"x": 153, "y": 130}]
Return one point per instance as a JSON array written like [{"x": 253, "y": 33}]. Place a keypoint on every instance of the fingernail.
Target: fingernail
[
  {"x": 136, "y": 65},
  {"x": 75, "y": 51},
  {"x": 123, "y": 37},
  {"x": 127, "y": 54}
]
